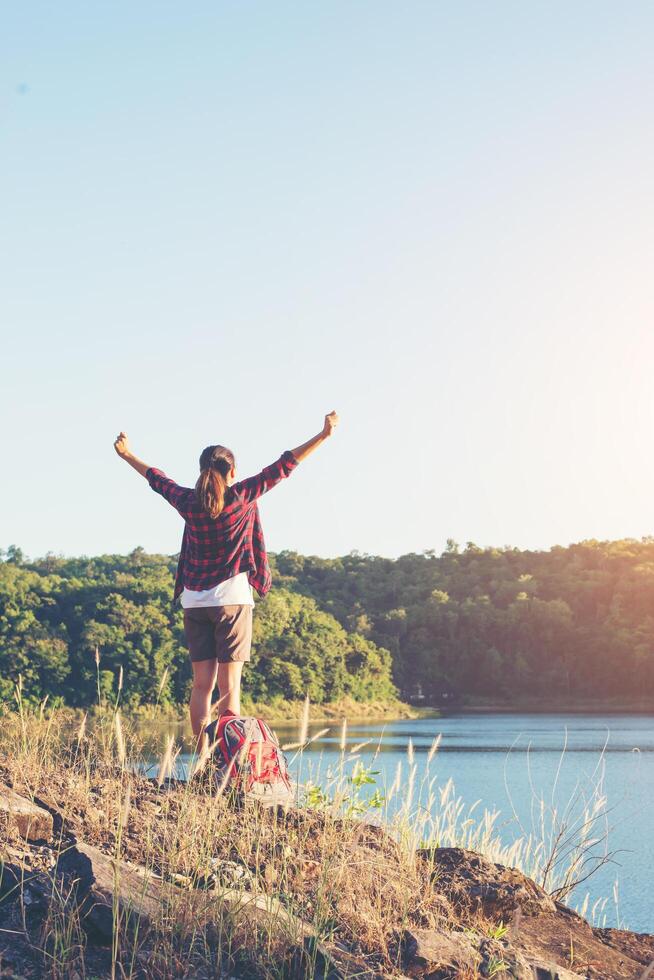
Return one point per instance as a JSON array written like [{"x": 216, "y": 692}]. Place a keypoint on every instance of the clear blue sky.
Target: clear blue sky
[{"x": 221, "y": 220}]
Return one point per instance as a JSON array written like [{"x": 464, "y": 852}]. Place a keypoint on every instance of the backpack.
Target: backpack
[{"x": 250, "y": 760}]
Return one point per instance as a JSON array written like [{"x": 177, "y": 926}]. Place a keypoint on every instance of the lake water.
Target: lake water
[{"x": 509, "y": 762}]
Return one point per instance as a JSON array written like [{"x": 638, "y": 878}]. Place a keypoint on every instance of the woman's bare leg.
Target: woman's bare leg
[
  {"x": 229, "y": 686},
  {"x": 204, "y": 681}
]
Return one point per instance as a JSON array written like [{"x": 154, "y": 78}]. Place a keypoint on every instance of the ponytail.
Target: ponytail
[
  {"x": 210, "y": 489},
  {"x": 215, "y": 464}
]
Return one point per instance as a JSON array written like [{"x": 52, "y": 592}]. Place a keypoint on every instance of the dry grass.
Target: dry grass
[
  {"x": 317, "y": 871},
  {"x": 346, "y": 880}
]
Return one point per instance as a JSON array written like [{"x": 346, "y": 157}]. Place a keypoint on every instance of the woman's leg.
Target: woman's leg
[
  {"x": 233, "y": 635},
  {"x": 229, "y": 686},
  {"x": 204, "y": 681}
]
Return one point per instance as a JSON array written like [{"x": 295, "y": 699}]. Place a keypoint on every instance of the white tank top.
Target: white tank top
[{"x": 235, "y": 591}]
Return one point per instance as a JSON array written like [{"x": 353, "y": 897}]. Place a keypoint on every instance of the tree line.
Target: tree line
[
  {"x": 497, "y": 623},
  {"x": 573, "y": 622},
  {"x": 70, "y": 627}
]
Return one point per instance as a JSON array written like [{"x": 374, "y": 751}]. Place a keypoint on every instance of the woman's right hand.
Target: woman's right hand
[{"x": 331, "y": 421}]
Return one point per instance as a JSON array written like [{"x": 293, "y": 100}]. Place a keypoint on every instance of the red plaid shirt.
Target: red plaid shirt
[{"x": 216, "y": 549}]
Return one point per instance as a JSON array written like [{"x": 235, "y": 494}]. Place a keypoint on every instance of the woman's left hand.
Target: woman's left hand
[{"x": 121, "y": 445}]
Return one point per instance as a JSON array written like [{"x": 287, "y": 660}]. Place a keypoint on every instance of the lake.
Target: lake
[{"x": 512, "y": 762}]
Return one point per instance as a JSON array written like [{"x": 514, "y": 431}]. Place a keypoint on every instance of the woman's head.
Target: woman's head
[{"x": 217, "y": 470}]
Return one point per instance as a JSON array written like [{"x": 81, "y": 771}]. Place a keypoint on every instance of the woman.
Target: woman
[{"x": 222, "y": 558}]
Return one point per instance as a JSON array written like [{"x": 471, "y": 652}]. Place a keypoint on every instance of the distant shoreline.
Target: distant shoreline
[
  {"x": 287, "y": 713},
  {"x": 644, "y": 707},
  {"x": 282, "y": 712}
]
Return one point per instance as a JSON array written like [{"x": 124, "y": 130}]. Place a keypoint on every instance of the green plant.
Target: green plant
[
  {"x": 497, "y": 931},
  {"x": 495, "y": 966},
  {"x": 315, "y": 798},
  {"x": 356, "y": 805}
]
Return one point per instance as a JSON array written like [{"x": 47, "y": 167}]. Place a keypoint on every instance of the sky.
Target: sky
[{"x": 221, "y": 221}]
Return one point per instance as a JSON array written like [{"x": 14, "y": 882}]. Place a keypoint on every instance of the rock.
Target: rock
[
  {"x": 550, "y": 971},
  {"x": 35, "y": 895},
  {"x": 309, "y": 956},
  {"x": 33, "y": 890},
  {"x": 112, "y": 892},
  {"x": 637, "y": 946},
  {"x": 21, "y": 815},
  {"x": 486, "y": 887},
  {"x": 545, "y": 940},
  {"x": 501, "y": 959},
  {"x": 199, "y": 908},
  {"x": 226, "y": 874},
  {"x": 10, "y": 876},
  {"x": 437, "y": 955},
  {"x": 322, "y": 961}
]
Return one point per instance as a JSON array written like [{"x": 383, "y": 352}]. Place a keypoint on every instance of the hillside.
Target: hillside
[{"x": 568, "y": 623}]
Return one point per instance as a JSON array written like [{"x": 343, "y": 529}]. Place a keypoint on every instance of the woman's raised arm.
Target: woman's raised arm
[
  {"x": 254, "y": 486},
  {"x": 121, "y": 446},
  {"x": 177, "y": 496},
  {"x": 331, "y": 421}
]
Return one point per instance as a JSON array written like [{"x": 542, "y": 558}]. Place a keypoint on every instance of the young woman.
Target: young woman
[{"x": 222, "y": 558}]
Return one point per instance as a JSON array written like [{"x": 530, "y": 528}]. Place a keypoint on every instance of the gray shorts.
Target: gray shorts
[{"x": 222, "y": 633}]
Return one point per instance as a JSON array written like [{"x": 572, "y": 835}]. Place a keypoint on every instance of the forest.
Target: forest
[{"x": 472, "y": 624}]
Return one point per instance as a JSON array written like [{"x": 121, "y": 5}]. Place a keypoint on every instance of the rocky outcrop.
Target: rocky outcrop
[
  {"x": 481, "y": 886},
  {"x": 636, "y": 946},
  {"x": 498, "y": 924},
  {"x": 21, "y": 816},
  {"x": 544, "y": 939},
  {"x": 110, "y": 892},
  {"x": 113, "y": 896},
  {"x": 433, "y": 953}
]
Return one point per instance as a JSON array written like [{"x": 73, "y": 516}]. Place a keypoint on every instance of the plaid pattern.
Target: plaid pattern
[{"x": 214, "y": 550}]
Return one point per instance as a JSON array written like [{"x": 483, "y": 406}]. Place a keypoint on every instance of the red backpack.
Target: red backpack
[{"x": 250, "y": 759}]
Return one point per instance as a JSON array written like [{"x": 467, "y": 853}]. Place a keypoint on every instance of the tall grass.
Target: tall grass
[
  {"x": 249, "y": 890},
  {"x": 563, "y": 845}
]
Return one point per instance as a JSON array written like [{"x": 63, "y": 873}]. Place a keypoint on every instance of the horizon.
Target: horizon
[{"x": 462, "y": 547}]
